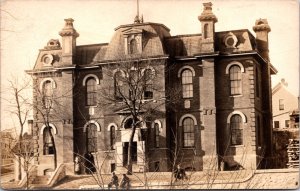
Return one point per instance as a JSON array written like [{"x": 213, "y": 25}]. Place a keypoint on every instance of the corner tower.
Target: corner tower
[
  {"x": 69, "y": 35},
  {"x": 208, "y": 20}
]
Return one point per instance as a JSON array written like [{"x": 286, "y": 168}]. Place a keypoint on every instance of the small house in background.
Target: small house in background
[
  {"x": 285, "y": 123},
  {"x": 6, "y": 141},
  {"x": 285, "y": 107}
]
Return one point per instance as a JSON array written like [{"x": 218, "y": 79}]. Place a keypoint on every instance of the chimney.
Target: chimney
[
  {"x": 30, "y": 127},
  {"x": 208, "y": 20},
  {"x": 262, "y": 29},
  {"x": 69, "y": 35}
]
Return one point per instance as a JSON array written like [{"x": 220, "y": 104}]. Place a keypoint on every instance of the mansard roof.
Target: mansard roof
[
  {"x": 86, "y": 53},
  {"x": 189, "y": 45},
  {"x": 152, "y": 35}
]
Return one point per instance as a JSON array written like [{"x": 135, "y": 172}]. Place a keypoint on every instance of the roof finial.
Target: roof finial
[{"x": 137, "y": 18}]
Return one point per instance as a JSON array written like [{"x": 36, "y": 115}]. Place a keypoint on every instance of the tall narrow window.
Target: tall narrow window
[
  {"x": 187, "y": 83},
  {"x": 148, "y": 76},
  {"x": 281, "y": 104},
  {"x": 156, "y": 129},
  {"x": 91, "y": 92},
  {"x": 205, "y": 31},
  {"x": 47, "y": 94},
  {"x": 134, "y": 78},
  {"x": 133, "y": 47},
  {"x": 235, "y": 80},
  {"x": 118, "y": 85},
  {"x": 236, "y": 127},
  {"x": 91, "y": 137},
  {"x": 188, "y": 132},
  {"x": 112, "y": 137},
  {"x": 48, "y": 145}
]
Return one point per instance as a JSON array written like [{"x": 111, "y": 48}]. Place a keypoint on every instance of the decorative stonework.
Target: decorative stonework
[
  {"x": 69, "y": 30},
  {"x": 47, "y": 59},
  {"x": 261, "y": 25},
  {"x": 53, "y": 44},
  {"x": 230, "y": 40},
  {"x": 207, "y": 14}
]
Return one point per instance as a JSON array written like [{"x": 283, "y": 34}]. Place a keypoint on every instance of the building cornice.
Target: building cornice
[{"x": 105, "y": 62}]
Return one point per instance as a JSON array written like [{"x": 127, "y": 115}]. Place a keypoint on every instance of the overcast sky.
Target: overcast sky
[{"x": 26, "y": 27}]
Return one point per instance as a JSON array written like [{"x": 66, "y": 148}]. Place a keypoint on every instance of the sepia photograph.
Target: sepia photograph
[{"x": 146, "y": 94}]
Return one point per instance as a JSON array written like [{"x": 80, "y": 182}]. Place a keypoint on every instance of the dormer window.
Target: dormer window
[{"x": 133, "y": 41}]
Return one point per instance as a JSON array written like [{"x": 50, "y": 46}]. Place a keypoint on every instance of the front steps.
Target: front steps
[{"x": 40, "y": 182}]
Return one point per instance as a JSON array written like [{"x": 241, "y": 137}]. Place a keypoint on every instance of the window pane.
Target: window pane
[
  {"x": 188, "y": 132},
  {"x": 148, "y": 75},
  {"x": 281, "y": 104},
  {"x": 48, "y": 145},
  {"x": 235, "y": 80},
  {"x": 91, "y": 132},
  {"x": 91, "y": 93},
  {"x": 287, "y": 123},
  {"x": 112, "y": 137},
  {"x": 47, "y": 94},
  {"x": 133, "y": 47},
  {"x": 236, "y": 130},
  {"x": 187, "y": 83},
  {"x": 156, "y": 128}
]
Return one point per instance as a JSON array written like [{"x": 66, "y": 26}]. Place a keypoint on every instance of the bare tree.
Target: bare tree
[
  {"x": 24, "y": 149},
  {"x": 132, "y": 90},
  {"x": 18, "y": 108}
]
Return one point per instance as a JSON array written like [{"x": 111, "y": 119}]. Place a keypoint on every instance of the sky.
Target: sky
[{"x": 27, "y": 26}]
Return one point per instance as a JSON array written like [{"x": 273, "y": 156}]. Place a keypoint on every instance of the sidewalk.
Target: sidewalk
[{"x": 156, "y": 180}]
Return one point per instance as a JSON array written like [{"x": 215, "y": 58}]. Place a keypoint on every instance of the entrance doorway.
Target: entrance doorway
[{"x": 133, "y": 151}]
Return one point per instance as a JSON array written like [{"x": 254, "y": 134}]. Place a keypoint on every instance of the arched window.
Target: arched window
[
  {"x": 236, "y": 128},
  {"x": 118, "y": 85},
  {"x": 48, "y": 144},
  {"x": 187, "y": 83},
  {"x": 133, "y": 47},
  {"x": 91, "y": 92},
  {"x": 148, "y": 77},
  {"x": 205, "y": 31},
  {"x": 128, "y": 123},
  {"x": 188, "y": 132},
  {"x": 156, "y": 133},
  {"x": 91, "y": 137},
  {"x": 47, "y": 94},
  {"x": 235, "y": 80},
  {"x": 112, "y": 137}
]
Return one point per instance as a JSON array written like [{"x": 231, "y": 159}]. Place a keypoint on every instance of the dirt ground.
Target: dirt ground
[{"x": 243, "y": 179}]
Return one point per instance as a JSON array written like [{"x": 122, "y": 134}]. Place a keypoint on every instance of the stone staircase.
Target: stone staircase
[{"x": 40, "y": 182}]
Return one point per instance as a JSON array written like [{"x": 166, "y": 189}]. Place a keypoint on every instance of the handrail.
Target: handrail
[
  {"x": 55, "y": 177},
  {"x": 24, "y": 179}
]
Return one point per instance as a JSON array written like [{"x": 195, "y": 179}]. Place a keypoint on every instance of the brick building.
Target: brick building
[{"x": 223, "y": 113}]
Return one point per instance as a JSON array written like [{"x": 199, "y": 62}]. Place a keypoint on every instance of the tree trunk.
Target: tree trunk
[
  {"x": 19, "y": 168},
  {"x": 129, "y": 161}
]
